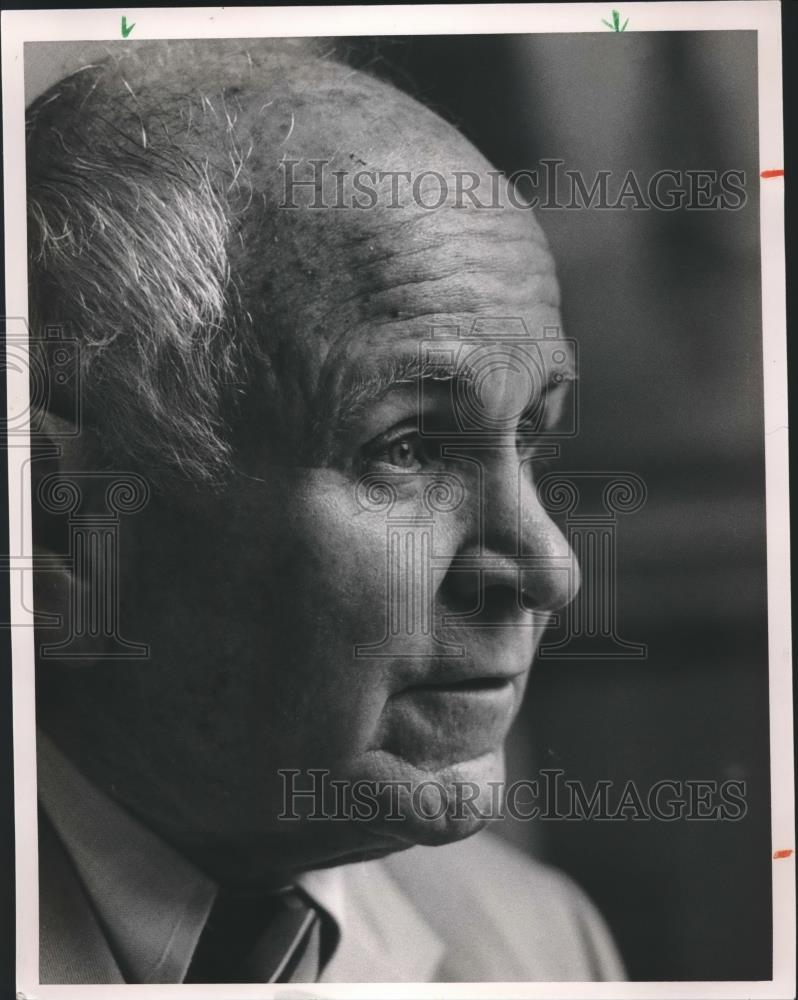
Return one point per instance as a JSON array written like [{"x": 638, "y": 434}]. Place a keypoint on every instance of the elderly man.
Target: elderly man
[{"x": 285, "y": 369}]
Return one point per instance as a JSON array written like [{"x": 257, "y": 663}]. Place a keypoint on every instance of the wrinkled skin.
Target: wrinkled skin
[{"x": 253, "y": 600}]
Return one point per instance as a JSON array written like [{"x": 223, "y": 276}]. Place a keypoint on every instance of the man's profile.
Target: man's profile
[{"x": 272, "y": 369}]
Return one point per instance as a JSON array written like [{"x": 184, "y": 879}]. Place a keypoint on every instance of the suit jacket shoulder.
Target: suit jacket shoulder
[
  {"x": 503, "y": 916},
  {"x": 72, "y": 946}
]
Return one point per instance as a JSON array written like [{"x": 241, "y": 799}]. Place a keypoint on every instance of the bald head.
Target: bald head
[{"x": 193, "y": 224}]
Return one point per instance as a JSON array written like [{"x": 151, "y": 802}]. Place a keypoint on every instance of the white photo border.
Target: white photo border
[{"x": 446, "y": 19}]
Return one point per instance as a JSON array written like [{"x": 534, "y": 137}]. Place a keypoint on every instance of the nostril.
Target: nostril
[
  {"x": 479, "y": 594},
  {"x": 461, "y": 591},
  {"x": 499, "y": 601}
]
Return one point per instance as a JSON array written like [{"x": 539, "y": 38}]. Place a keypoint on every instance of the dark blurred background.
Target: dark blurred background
[
  {"x": 666, "y": 310},
  {"x": 665, "y": 307}
]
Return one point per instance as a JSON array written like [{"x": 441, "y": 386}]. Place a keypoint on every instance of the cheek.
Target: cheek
[
  {"x": 305, "y": 591},
  {"x": 349, "y": 575},
  {"x": 332, "y": 576}
]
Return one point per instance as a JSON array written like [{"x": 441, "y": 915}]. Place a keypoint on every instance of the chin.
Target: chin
[{"x": 433, "y": 803}]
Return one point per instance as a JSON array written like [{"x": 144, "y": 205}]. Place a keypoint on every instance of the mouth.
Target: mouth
[
  {"x": 469, "y": 676},
  {"x": 439, "y": 722},
  {"x": 470, "y": 685}
]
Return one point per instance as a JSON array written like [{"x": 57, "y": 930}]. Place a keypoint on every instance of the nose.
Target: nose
[{"x": 513, "y": 558}]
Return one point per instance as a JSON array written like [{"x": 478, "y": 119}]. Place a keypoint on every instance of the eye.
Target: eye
[{"x": 406, "y": 452}]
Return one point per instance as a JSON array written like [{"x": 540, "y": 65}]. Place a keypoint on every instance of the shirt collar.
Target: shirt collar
[
  {"x": 385, "y": 938},
  {"x": 151, "y": 901}
]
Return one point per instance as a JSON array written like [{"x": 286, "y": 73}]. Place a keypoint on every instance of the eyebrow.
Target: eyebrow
[{"x": 389, "y": 373}]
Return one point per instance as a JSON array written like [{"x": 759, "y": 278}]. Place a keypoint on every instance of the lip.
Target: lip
[
  {"x": 484, "y": 684},
  {"x": 456, "y": 721},
  {"x": 457, "y": 675}
]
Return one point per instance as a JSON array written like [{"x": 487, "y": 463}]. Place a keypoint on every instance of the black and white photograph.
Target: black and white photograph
[{"x": 398, "y": 539}]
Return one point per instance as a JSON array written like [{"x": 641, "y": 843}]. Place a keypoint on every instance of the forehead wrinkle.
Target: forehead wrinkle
[
  {"x": 417, "y": 226},
  {"x": 463, "y": 255},
  {"x": 508, "y": 273},
  {"x": 436, "y": 302}
]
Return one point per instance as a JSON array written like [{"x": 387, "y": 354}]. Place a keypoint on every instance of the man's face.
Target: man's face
[
  {"x": 367, "y": 596},
  {"x": 358, "y": 600}
]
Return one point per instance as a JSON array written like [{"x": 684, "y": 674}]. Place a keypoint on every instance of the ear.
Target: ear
[
  {"x": 77, "y": 502},
  {"x": 56, "y": 451}
]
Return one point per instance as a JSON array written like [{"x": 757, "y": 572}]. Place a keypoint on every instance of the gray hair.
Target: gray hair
[{"x": 131, "y": 245}]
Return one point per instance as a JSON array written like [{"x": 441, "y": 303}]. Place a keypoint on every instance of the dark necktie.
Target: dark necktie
[{"x": 258, "y": 938}]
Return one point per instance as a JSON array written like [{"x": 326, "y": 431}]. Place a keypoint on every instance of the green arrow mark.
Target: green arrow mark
[{"x": 616, "y": 22}]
